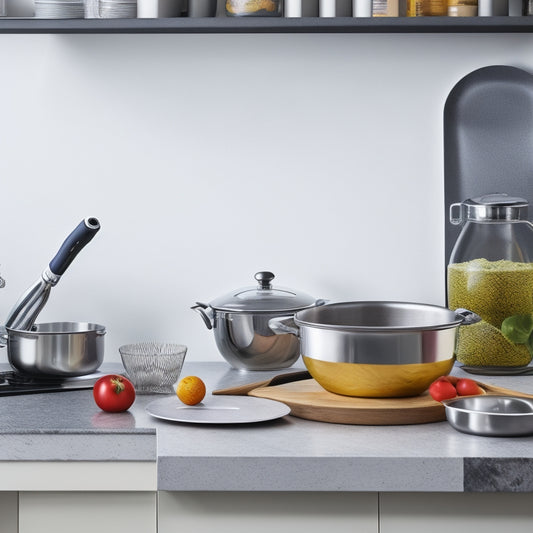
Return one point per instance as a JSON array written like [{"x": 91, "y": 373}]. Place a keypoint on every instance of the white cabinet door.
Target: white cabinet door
[
  {"x": 8, "y": 512},
  {"x": 445, "y": 512},
  {"x": 87, "y": 512},
  {"x": 265, "y": 512}
]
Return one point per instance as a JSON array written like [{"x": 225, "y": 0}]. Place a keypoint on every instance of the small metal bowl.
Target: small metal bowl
[{"x": 491, "y": 415}]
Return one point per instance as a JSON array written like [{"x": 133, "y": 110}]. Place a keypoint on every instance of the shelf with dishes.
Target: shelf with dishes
[
  {"x": 500, "y": 24},
  {"x": 270, "y": 16}
]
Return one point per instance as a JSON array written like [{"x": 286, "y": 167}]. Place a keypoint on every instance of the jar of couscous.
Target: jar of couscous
[{"x": 491, "y": 273}]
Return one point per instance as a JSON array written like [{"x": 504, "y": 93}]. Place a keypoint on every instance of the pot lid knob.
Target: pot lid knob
[{"x": 264, "y": 279}]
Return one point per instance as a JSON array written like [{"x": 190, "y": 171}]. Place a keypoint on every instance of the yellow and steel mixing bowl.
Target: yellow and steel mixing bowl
[{"x": 378, "y": 349}]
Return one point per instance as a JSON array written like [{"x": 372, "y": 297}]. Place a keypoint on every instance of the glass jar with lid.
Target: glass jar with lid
[{"x": 491, "y": 273}]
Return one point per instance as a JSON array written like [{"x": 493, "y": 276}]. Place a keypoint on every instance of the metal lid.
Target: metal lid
[
  {"x": 263, "y": 298},
  {"x": 498, "y": 206}
]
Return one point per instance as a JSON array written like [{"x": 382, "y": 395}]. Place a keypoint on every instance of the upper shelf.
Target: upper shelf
[{"x": 272, "y": 25}]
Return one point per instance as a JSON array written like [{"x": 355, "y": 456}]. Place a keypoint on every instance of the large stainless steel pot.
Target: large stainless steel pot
[
  {"x": 61, "y": 349},
  {"x": 376, "y": 349},
  {"x": 240, "y": 322}
]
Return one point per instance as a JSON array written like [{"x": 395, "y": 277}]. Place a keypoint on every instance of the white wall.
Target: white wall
[{"x": 210, "y": 157}]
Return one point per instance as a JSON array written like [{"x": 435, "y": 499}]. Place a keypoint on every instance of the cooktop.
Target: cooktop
[{"x": 12, "y": 383}]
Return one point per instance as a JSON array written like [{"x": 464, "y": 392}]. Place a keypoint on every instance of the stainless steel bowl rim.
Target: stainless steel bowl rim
[
  {"x": 56, "y": 328},
  {"x": 450, "y": 404},
  {"x": 300, "y": 320}
]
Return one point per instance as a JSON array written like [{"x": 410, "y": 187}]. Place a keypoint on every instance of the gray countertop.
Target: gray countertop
[{"x": 288, "y": 454}]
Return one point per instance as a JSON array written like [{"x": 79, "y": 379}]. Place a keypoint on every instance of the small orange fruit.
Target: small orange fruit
[{"x": 191, "y": 390}]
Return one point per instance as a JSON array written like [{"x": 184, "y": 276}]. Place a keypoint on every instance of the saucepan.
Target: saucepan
[
  {"x": 61, "y": 349},
  {"x": 376, "y": 348},
  {"x": 240, "y": 322}
]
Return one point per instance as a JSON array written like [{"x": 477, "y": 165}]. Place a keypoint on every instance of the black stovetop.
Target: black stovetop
[{"x": 12, "y": 383}]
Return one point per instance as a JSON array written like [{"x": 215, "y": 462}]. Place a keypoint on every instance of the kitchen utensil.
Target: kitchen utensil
[
  {"x": 335, "y": 8},
  {"x": 159, "y": 8},
  {"x": 57, "y": 349},
  {"x": 118, "y": 8},
  {"x": 202, "y": 8},
  {"x": 491, "y": 273},
  {"x": 363, "y": 8},
  {"x": 229, "y": 410},
  {"x": 300, "y": 8},
  {"x": 376, "y": 349},
  {"x": 240, "y": 322},
  {"x": 307, "y": 399},
  {"x": 26, "y": 310},
  {"x": 280, "y": 379},
  {"x": 153, "y": 367},
  {"x": 59, "y": 9},
  {"x": 491, "y": 415}
]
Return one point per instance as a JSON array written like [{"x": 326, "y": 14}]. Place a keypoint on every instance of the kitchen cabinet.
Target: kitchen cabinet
[
  {"x": 264, "y": 512},
  {"x": 442, "y": 513},
  {"x": 86, "y": 512},
  {"x": 272, "y": 25},
  {"x": 9, "y": 512}
]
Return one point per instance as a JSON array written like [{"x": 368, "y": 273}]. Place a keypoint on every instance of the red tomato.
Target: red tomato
[
  {"x": 442, "y": 389},
  {"x": 452, "y": 379},
  {"x": 114, "y": 393},
  {"x": 468, "y": 387}
]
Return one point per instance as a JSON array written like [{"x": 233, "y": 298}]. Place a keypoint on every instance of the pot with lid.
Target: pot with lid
[
  {"x": 491, "y": 273},
  {"x": 240, "y": 323}
]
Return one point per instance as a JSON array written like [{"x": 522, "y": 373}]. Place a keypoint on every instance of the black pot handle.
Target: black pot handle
[{"x": 74, "y": 243}]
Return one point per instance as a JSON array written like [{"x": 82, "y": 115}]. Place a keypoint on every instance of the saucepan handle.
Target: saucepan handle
[
  {"x": 469, "y": 317},
  {"x": 284, "y": 324},
  {"x": 3, "y": 336},
  {"x": 74, "y": 243},
  {"x": 206, "y": 312}
]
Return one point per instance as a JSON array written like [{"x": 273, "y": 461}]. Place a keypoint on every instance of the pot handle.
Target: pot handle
[
  {"x": 73, "y": 244},
  {"x": 284, "y": 324},
  {"x": 3, "y": 336},
  {"x": 206, "y": 312},
  {"x": 469, "y": 317}
]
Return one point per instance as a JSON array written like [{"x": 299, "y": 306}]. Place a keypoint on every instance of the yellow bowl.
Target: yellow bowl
[{"x": 376, "y": 381}]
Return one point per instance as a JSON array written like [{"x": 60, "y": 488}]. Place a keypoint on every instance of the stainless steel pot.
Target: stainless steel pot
[
  {"x": 57, "y": 349},
  {"x": 376, "y": 349},
  {"x": 240, "y": 322}
]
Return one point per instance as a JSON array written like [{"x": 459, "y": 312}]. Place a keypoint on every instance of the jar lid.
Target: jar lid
[
  {"x": 263, "y": 298},
  {"x": 497, "y": 206}
]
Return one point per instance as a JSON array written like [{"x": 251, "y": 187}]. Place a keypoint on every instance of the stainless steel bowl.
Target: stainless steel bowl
[
  {"x": 377, "y": 349},
  {"x": 490, "y": 415},
  {"x": 57, "y": 349}
]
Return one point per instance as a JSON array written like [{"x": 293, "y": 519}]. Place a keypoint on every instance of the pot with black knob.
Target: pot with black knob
[{"x": 240, "y": 322}]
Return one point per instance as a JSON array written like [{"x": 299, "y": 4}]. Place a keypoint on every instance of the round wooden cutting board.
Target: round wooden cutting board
[{"x": 307, "y": 399}]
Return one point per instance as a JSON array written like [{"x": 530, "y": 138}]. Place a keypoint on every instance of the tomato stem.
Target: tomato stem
[{"x": 118, "y": 384}]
